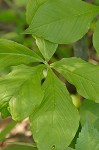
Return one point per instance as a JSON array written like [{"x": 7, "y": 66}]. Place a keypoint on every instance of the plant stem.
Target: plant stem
[{"x": 9, "y": 127}]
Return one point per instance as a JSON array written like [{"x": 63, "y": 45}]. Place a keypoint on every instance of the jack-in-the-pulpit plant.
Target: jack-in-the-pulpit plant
[{"x": 54, "y": 119}]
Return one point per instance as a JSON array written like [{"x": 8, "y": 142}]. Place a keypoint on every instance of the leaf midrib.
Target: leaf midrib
[
  {"x": 89, "y": 12},
  {"x": 15, "y": 54}
]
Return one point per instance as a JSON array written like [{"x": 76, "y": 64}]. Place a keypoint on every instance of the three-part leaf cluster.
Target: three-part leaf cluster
[{"x": 53, "y": 117}]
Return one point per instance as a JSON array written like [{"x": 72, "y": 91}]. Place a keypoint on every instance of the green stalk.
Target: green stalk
[{"x": 8, "y": 128}]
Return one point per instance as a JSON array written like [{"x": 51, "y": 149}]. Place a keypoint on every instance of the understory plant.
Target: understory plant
[{"x": 30, "y": 86}]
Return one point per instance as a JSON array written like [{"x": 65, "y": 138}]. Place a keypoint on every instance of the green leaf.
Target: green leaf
[
  {"x": 12, "y": 53},
  {"x": 96, "y": 37},
  {"x": 56, "y": 121},
  {"x": 21, "y": 90},
  {"x": 69, "y": 148},
  {"x": 90, "y": 112},
  {"x": 88, "y": 138},
  {"x": 46, "y": 48},
  {"x": 32, "y": 7},
  {"x": 62, "y": 21},
  {"x": 82, "y": 74}
]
